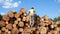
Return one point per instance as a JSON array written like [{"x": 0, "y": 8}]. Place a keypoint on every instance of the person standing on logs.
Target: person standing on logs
[{"x": 32, "y": 12}]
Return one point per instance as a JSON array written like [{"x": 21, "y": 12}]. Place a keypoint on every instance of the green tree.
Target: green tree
[
  {"x": 0, "y": 16},
  {"x": 58, "y": 18},
  {"x": 55, "y": 19}
]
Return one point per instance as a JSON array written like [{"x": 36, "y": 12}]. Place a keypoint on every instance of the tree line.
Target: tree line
[
  {"x": 56, "y": 19},
  {"x": 0, "y": 16}
]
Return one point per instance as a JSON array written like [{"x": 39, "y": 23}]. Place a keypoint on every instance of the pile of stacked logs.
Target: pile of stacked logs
[{"x": 19, "y": 23}]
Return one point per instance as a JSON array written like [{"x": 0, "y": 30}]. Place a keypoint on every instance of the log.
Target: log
[
  {"x": 10, "y": 14},
  {"x": 28, "y": 18},
  {"x": 19, "y": 19},
  {"x": 58, "y": 22},
  {"x": 21, "y": 30},
  {"x": 38, "y": 18},
  {"x": 49, "y": 33},
  {"x": 7, "y": 22},
  {"x": 6, "y": 30},
  {"x": 25, "y": 14},
  {"x": 0, "y": 31},
  {"x": 52, "y": 26},
  {"x": 56, "y": 32},
  {"x": 14, "y": 26},
  {"x": 42, "y": 24},
  {"x": 9, "y": 26},
  {"x": 21, "y": 24},
  {"x": 15, "y": 31},
  {"x": 17, "y": 15},
  {"x": 53, "y": 32},
  {"x": 20, "y": 13},
  {"x": 27, "y": 24},
  {"x": 5, "y": 17},
  {"x": 15, "y": 22},
  {"x": 50, "y": 22},
  {"x": 3, "y": 29},
  {"x": 34, "y": 29},
  {"x": 14, "y": 11},
  {"x": 43, "y": 30},
  {"x": 45, "y": 17},
  {"x": 37, "y": 32},
  {"x": 27, "y": 29},
  {"x": 23, "y": 10},
  {"x": 24, "y": 19},
  {"x": 4, "y": 33},
  {"x": 2, "y": 23},
  {"x": 57, "y": 29},
  {"x": 26, "y": 33},
  {"x": 42, "y": 20},
  {"x": 9, "y": 32}
]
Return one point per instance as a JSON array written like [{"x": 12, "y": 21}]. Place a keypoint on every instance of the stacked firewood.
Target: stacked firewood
[{"x": 19, "y": 23}]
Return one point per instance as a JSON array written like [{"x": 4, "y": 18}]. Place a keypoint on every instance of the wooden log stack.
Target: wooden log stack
[{"x": 19, "y": 23}]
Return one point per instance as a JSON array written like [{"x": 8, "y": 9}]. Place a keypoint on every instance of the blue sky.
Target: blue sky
[{"x": 42, "y": 7}]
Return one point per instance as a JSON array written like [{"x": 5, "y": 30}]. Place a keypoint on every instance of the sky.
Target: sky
[{"x": 42, "y": 7}]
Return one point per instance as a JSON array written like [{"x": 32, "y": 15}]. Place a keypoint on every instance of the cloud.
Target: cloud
[
  {"x": 7, "y": 5},
  {"x": 9, "y": 0},
  {"x": 16, "y": 4},
  {"x": 10, "y": 4},
  {"x": 1, "y": 1},
  {"x": 2, "y": 13},
  {"x": 57, "y": 1}
]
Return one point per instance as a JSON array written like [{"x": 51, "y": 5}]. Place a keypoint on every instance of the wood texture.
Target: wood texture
[{"x": 19, "y": 23}]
